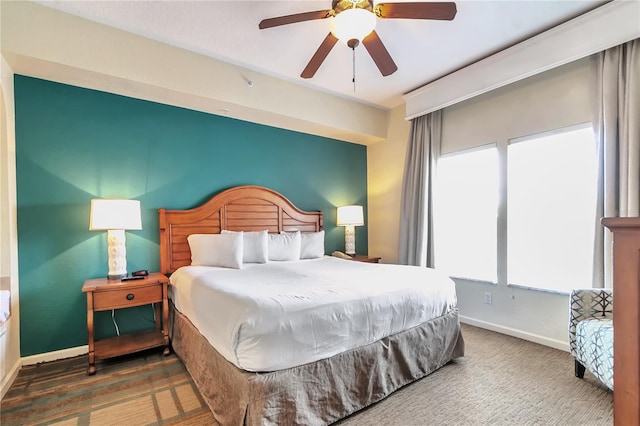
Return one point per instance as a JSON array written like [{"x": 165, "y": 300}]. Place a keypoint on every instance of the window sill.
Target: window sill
[
  {"x": 543, "y": 290},
  {"x": 474, "y": 280}
]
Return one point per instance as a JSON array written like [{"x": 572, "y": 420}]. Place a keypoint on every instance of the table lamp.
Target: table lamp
[
  {"x": 350, "y": 217},
  {"x": 115, "y": 216}
]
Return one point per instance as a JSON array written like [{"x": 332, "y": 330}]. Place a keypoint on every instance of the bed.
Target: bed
[{"x": 355, "y": 348}]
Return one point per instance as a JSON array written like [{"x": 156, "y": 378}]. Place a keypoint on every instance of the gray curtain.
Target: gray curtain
[
  {"x": 617, "y": 130},
  {"x": 418, "y": 186}
]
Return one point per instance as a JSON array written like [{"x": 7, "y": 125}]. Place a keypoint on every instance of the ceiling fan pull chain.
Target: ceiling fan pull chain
[{"x": 353, "y": 49}]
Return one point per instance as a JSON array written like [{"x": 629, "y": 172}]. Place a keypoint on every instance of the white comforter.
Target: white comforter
[{"x": 277, "y": 315}]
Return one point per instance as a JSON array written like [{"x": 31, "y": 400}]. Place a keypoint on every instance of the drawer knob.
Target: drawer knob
[{"x": 130, "y": 296}]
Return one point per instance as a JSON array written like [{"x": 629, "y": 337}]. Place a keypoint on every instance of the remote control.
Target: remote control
[{"x": 132, "y": 278}]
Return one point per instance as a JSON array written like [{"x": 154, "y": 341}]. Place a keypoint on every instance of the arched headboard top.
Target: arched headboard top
[{"x": 242, "y": 208}]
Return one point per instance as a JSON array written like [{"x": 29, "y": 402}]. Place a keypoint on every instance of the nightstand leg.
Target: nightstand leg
[
  {"x": 158, "y": 313},
  {"x": 165, "y": 318},
  {"x": 92, "y": 360}
]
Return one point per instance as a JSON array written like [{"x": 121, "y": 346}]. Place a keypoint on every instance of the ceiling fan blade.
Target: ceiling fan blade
[
  {"x": 292, "y": 19},
  {"x": 429, "y": 10},
  {"x": 319, "y": 57},
  {"x": 379, "y": 54}
]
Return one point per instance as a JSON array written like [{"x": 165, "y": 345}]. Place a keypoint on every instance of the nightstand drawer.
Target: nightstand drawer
[{"x": 125, "y": 298}]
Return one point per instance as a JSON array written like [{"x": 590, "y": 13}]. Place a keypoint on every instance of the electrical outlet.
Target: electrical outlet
[{"x": 487, "y": 298}]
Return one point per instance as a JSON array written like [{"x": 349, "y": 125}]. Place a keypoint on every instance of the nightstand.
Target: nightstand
[
  {"x": 367, "y": 259},
  {"x": 105, "y": 295}
]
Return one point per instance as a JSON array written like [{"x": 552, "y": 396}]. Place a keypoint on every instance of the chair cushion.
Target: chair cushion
[{"x": 594, "y": 341}]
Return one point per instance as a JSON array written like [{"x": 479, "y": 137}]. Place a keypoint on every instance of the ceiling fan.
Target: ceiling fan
[{"x": 354, "y": 22}]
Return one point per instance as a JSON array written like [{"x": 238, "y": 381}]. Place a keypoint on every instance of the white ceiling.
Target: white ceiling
[{"x": 423, "y": 50}]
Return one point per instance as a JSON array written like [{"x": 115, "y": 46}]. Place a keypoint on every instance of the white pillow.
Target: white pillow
[
  {"x": 223, "y": 250},
  {"x": 311, "y": 245},
  {"x": 285, "y": 246},
  {"x": 255, "y": 245}
]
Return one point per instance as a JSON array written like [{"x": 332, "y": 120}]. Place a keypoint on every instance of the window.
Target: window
[
  {"x": 466, "y": 212},
  {"x": 551, "y": 200},
  {"x": 523, "y": 211}
]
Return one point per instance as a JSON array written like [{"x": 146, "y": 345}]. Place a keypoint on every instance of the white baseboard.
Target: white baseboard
[
  {"x": 9, "y": 378},
  {"x": 52, "y": 356},
  {"x": 535, "y": 338}
]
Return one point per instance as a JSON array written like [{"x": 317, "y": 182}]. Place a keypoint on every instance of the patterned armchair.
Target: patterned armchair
[{"x": 591, "y": 333}]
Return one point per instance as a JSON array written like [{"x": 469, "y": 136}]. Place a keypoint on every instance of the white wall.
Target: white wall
[
  {"x": 10, "y": 330},
  {"x": 385, "y": 165},
  {"x": 550, "y": 100}
]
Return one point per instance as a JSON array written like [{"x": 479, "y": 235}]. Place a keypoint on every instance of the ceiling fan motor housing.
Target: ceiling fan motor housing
[{"x": 342, "y": 5}]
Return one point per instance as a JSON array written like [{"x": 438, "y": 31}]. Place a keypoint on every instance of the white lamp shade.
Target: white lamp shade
[
  {"x": 353, "y": 24},
  {"x": 107, "y": 214},
  {"x": 350, "y": 216}
]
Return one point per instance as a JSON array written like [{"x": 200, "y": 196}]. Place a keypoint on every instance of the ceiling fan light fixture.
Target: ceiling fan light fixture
[{"x": 353, "y": 24}]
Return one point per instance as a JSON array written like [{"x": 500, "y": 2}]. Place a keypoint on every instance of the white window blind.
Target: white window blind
[
  {"x": 466, "y": 214},
  {"x": 551, "y": 200}
]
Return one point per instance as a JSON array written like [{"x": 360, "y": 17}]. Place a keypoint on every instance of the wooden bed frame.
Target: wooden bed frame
[
  {"x": 317, "y": 393},
  {"x": 243, "y": 208}
]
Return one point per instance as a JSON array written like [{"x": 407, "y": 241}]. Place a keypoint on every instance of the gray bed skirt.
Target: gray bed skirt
[{"x": 318, "y": 393}]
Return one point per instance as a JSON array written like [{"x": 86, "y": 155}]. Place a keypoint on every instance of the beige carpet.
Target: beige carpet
[{"x": 501, "y": 381}]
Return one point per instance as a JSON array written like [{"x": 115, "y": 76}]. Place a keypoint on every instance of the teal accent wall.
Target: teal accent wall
[{"x": 75, "y": 144}]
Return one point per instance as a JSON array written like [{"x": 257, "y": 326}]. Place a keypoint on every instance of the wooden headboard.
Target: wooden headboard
[{"x": 243, "y": 208}]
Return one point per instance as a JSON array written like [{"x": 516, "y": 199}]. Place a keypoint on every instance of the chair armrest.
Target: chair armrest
[{"x": 588, "y": 303}]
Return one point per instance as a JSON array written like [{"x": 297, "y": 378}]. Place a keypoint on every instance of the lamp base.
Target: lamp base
[
  {"x": 117, "y": 251},
  {"x": 116, "y": 277},
  {"x": 350, "y": 240}
]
